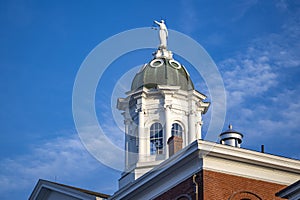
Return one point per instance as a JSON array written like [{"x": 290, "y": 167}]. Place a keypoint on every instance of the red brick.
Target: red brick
[{"x": 219, "y": 186}]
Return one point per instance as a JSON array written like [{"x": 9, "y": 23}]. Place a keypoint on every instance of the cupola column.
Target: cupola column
[
  {"x": 199, "y": 126},
  {"x": 191, "y": 131},
  {"x": 142, "y": 136},
  {"x": 168, "y": 129},
  {"x": 127, "y": 143}
]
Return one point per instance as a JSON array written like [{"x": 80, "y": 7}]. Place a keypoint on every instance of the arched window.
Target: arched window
[
  {"x": 244, "y": 195},
  {"x": 177, "y": 130},
  {"x": 184, "y": 197},
  {"x": 156, "y": 139}
]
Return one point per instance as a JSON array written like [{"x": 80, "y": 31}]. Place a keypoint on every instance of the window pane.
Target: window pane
[
  {"x": 177, "y": 130},
  {"x": 156, "y": 138}
]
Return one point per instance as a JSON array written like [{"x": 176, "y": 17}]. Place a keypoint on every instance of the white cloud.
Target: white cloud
[
  {"x": 263, "y": 102},
  {"x": 102, "y": 147},
  {"x": 281, "y": 5},
  {"x": 64, "y": 159},
  {"x": 240, "y": 8},
  {"x": 247, "y": 76},
  {"x": 278, "y": 125},
  {"x": 257, "y": 69},
  {"x": 111, "y": 123}
]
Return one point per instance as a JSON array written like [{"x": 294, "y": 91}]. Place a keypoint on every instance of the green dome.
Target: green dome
[{"x": 162, "y": 71}]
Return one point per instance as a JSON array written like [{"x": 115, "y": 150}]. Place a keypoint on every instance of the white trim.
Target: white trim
[
  {"x": 202, "y": 155},
  {"x": 59, "y": 189},
  {"x": 155, "y": 60},
  {"x": 248, "y": 170},
  {"x": 171, "y": 62},
  {"x": 249, "y": 156}
]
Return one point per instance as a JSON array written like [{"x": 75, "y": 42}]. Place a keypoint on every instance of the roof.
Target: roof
[
  {"x": 230, "y": 130},
  {"x": 43, "y": 187},
  {"x": 290, "y": 191},
  {"x": 98, "y": 194},
  {"x": 205, "y": 155}
]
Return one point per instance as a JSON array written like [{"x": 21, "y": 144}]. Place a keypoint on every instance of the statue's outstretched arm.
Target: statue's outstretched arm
[{"x": 156, "y": 22}]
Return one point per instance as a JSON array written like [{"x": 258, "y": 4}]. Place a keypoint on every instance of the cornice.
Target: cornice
[
  {"x": 196, "y": 155},
  {"x": 248, "y": 156}
]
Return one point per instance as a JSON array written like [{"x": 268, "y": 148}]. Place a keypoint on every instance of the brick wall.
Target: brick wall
[
  {"x": 185, "y": 188},
  {"x": 224, "y": 186},
  {"x": 220, "y": 186}
]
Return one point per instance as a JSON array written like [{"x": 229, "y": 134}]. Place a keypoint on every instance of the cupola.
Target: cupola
[
  {"x": 231, "y": 137},
  {"x": 162, "y": 112}
]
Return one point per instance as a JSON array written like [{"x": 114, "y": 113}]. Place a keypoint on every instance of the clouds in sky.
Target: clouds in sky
[
  {"x": 62, "y": 159},
  {"x": 240, "y": 8},
  {"x": 260, "y": 67},
  {"x": 255, "y": 44},
  {"x": 193, "y": 14},
  {"x": 247, "y": 76},
  {"x": 262, "y": 91}
]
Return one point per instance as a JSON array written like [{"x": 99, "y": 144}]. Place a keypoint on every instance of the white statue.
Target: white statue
[{"x": 163, "y": 33}]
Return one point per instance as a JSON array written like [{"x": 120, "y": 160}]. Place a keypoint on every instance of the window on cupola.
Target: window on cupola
[
  {"x": 177, "y": 130},
  {"x": 156, "y": 139}
]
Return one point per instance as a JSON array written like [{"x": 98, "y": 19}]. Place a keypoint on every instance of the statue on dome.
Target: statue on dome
[{"x": 163, "y": 33}]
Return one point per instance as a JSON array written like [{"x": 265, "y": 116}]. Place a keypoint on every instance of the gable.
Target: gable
[{"x": 47, "y": 190}]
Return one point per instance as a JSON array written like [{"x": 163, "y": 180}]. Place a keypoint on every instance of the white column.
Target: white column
[
  {"x": 142, "y": 136},
  {"x": 126, "y": 144},
  {"x": 168, "y": 127},
  {"x": 192, "y": 125},
  {"x": 199, "y": 126}
]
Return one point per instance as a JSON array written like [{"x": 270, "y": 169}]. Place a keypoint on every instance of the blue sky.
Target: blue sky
[{"x": 255, "y": 45}]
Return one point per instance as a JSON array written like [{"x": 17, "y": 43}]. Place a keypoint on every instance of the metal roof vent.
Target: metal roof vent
[{"x": 231, "y": 137}]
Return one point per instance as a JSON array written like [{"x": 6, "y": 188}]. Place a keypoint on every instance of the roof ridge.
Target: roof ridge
[{"x": 80, "y": 189}]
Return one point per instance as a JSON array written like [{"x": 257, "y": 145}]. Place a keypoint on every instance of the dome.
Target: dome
[
  {"x": 162, "y": 71},
  {"x": 230, "y": 130}
]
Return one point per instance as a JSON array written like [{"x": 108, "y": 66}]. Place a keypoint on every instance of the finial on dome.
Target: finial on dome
[{"x": 230, "y": 126}]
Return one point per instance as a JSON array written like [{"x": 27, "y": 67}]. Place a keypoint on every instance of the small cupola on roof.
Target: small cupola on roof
[
  {"x": 162, "y": 69},
  {"x": 231, "y": 137}
]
